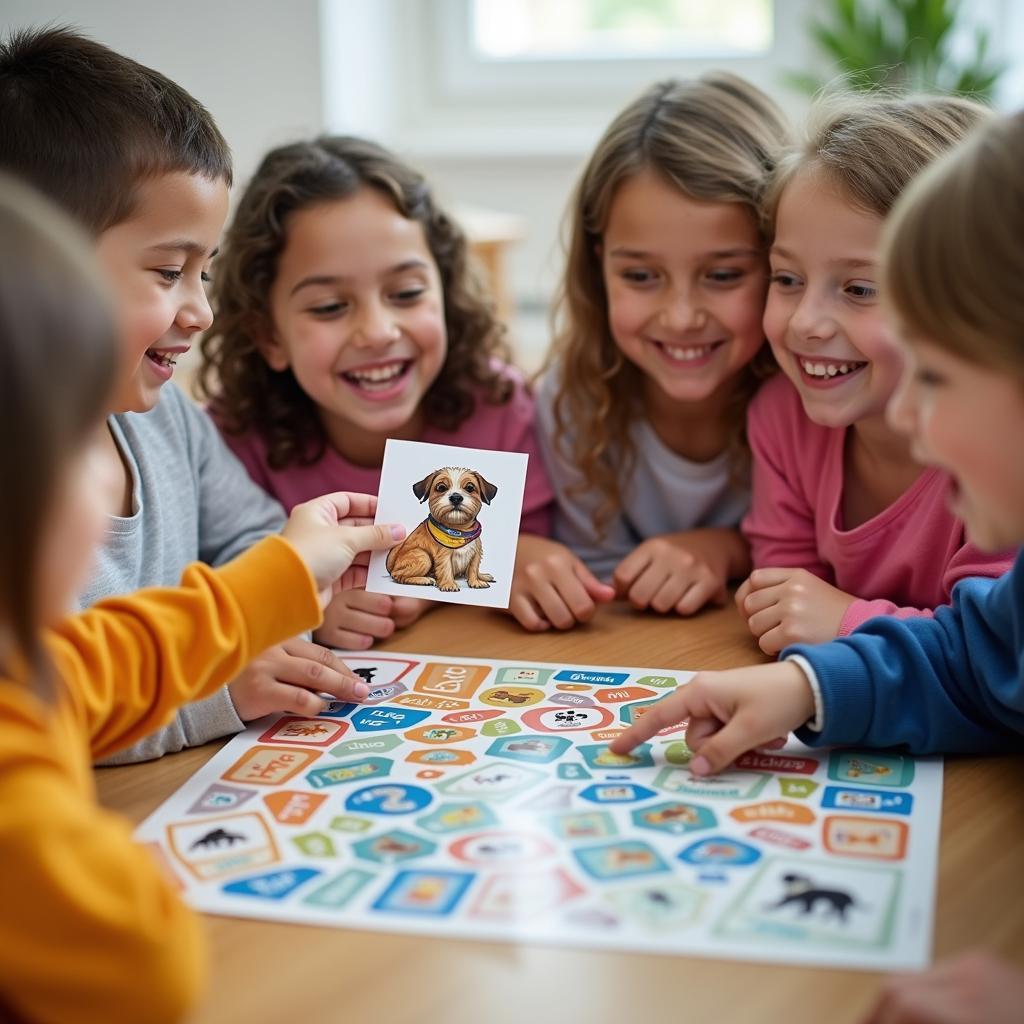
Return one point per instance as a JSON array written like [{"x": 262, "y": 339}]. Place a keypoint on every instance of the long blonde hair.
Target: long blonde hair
[
  {"x": 952, "y": 257},
  {"x": 870, "y": 146},
  {"x": 716, "y": 138}
]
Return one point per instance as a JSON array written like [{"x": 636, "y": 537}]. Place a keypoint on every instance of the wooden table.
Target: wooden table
[{"x": 263, "y": 971}]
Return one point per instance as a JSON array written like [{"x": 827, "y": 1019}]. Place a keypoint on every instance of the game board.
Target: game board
[{"x": 479, "y": 800}]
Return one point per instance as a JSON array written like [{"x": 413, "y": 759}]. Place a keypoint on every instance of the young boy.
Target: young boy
[{"x": 142, "y": 166}]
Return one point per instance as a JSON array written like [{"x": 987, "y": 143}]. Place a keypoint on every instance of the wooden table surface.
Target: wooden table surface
[{"x": 263, "y": 971}]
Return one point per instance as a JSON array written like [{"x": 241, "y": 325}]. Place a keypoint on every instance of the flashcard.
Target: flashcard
[
  {"x": 479, "y": 800},
  {"x": 461, "y": 508}
]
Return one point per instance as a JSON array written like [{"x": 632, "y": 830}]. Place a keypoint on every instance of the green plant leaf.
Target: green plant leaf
[
  {"x": 803, "y": 81},
  {"x": 899, "y": 44},
  {"x": 846, "y": 12}
]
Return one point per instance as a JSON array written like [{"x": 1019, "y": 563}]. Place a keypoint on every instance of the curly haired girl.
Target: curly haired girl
[{"x": 347, "y": 312}]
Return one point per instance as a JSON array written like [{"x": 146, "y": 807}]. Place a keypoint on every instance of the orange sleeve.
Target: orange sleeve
[
  {"x": 129, "y": 662},
  {"x": 90, "y": 930}
]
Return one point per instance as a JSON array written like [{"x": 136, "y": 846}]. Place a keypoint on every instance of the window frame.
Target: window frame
[
  {"x": 415, "y": 80},
  {"x": 458, "y": 74}
]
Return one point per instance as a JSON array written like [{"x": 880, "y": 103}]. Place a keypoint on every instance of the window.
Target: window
[
  {"x": 620, "y": 29},
  {"x": 536, "y": 78}
]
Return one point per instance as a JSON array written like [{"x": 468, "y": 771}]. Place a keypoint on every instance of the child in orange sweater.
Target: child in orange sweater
[{"x": 90, "y": 931}]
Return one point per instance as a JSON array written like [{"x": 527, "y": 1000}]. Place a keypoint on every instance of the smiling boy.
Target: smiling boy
[{"x": 143, "y": 167}]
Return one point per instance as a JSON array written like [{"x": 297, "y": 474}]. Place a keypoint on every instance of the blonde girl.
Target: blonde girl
[
  {"x": 658, "y": 352},
  {"x": 951, "y": 263},
  {"x": 844, "y": 523}
]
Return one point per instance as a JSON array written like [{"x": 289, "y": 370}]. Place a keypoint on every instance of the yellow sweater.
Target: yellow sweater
[{"x": 90, "y": 931}]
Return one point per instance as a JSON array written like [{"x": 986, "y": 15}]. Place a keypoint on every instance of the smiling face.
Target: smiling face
[
  {"x": 823, "y": 317},
  {"x": 157, "y": 264},
  {"x": 959, "y": 416},
  {"x": 685, "y": 282},
  {"x": 358, "y": 317}
]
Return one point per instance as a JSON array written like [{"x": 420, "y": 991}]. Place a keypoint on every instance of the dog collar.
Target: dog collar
[{"x": 449, "y": 536}]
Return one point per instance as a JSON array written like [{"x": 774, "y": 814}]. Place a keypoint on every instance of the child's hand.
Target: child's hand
[
  {"x": 681, "y": 572},
  {"x": 356, "y": 619},
  {"x": 972, "y": 988},
  {"x": 791, "y": 606},
  {"x": 334, "y": 535},
  {"x": 406, "y": 610},
  {"x": 552, "y": 587},
  {"x": 729, "y": 713},
  {"x": 288, "y": 677}
]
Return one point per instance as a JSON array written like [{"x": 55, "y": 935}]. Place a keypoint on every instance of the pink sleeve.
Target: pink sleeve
[
  {"x": 861, "y": 610},
  {"x": 968, "y": 561},
  {"x": 520, "y": 435},
  {"x": 780, "y": 525}
]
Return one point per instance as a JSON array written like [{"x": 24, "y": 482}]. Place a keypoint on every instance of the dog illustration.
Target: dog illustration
[
  {"x": 801, "y": 891},
  {"x": 446, "y": 544}
]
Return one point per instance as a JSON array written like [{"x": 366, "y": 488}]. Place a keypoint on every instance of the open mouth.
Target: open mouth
[
  {"x": 693, "y": 355},
  {"x": 822, "y": 371},
  {"x": 163, "y": 359},
  {"x": 378, "y": 378}
]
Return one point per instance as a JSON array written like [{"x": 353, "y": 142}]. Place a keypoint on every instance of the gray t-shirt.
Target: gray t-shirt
[
  {"x": 664, "y": 493},
  {"x": 192, "y": 500}
]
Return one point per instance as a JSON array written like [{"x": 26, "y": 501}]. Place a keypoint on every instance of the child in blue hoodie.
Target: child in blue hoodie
[{"x": 953, "y": 263}]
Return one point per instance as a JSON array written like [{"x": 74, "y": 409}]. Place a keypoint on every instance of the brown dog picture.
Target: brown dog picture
[
  {"x": 461, "y": 508},
  {"x": 446, "y": 545}
]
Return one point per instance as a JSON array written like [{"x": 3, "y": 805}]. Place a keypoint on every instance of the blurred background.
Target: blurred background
[{"x": 500, "y": 101}]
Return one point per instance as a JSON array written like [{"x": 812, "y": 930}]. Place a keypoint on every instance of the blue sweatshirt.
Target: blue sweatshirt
[{"x": 950, "y": 684}]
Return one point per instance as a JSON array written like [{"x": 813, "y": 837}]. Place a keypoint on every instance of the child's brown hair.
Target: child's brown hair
[
  {"x": 86, "y": 125},
  {"x": 245, "y": 392},
  {"x": 58, "y": 358},
  {"x": 715, "y": 138},
  {"x": 953, "y": 259},
  {"x": 870, "y": 146}
]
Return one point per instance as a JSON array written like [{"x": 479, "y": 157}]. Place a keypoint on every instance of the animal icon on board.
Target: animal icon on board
[
  {"x": 800, "y": 891},
  {"x": 215, "y": 838}
]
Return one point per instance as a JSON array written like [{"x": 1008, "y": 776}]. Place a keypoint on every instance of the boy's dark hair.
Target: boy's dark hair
[{"x": 86, "y": 125}]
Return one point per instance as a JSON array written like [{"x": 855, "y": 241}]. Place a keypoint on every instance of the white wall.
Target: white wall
[
  {"x": 274, "y": 71},
  {"x": 515, "y": 145},
  {"x": 515, "y": 139},
  {"x": 254, "y": 63}
]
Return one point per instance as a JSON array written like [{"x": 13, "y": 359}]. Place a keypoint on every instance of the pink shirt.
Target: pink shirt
[
  {"x": 903, "y": 562},
  {"x": 505, "y": 428}
]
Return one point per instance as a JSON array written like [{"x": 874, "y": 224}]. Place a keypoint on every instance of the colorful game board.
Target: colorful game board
[{"x": 480, "y": 800}]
